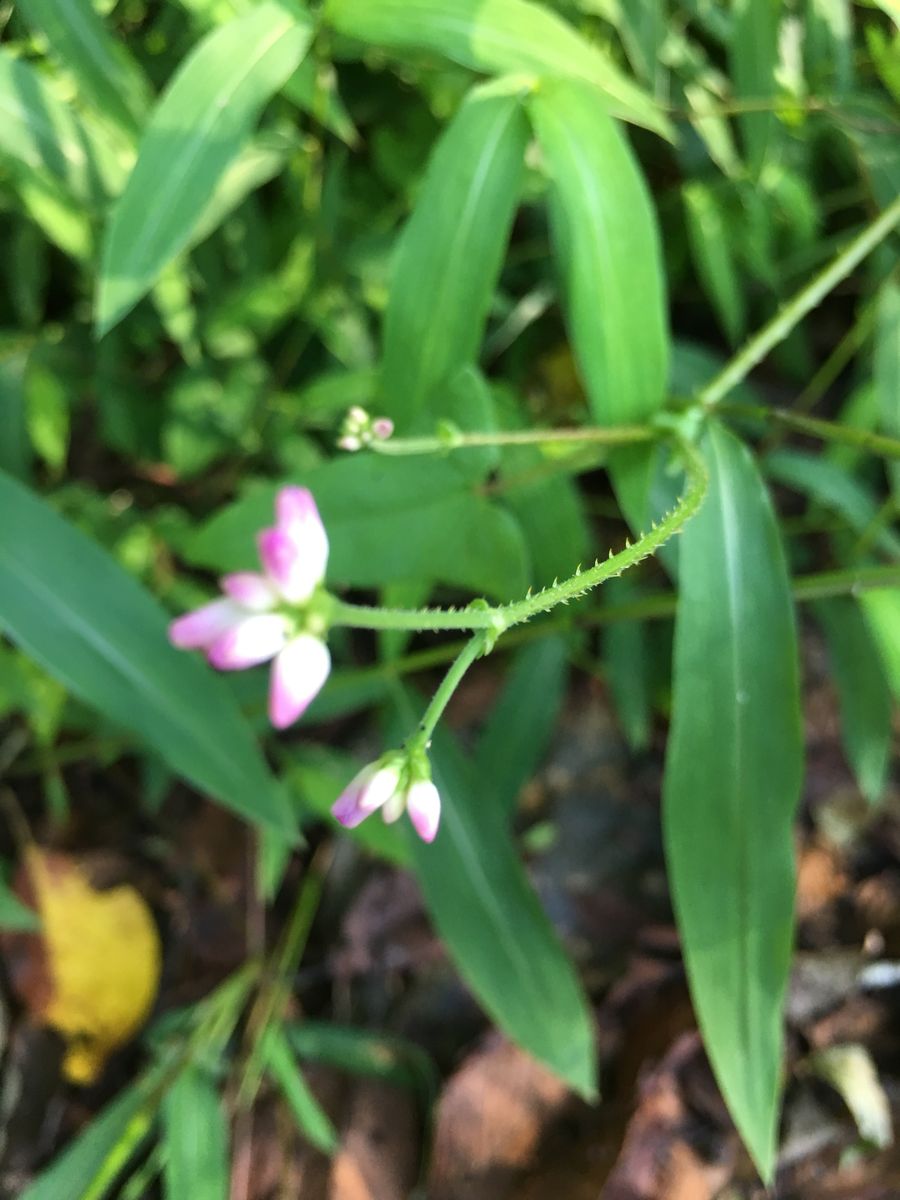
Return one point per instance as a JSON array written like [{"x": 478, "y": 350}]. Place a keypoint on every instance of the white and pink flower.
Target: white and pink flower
[
  {"x": 259, "y": 616},
  {"x": 386, "y": 785}
]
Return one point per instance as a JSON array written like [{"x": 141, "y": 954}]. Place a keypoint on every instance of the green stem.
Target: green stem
[
  {"x": 455, "y": 439},
  {"x": 647, "y": 544},
  {"x": 795, "y": 310},
  {"x": 274, "y": 993},
  {"x": 474, "y": 648},
  {"x": 826, "y": 431},
  {"x": 503, "y": 617}
]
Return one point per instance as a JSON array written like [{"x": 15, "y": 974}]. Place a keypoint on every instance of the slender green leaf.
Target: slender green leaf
[
  {"x": 197, "y": 1161},
  {"x": 882, "y": 611},
  {"x": 887, "y": 356},
  {"x": 521, "y": 723},
  {"x": 388, "y": 521},
  {"x": 14, "y": 449},
  {"x": 360, "y": 1052},
  {"x": 753, "y": 58},
  {"x": 492, "y": 924},
  {"x": 94, "y": 1161},
  {"x": 312, "y": 1120},
  {"x": 733, "y": 775},
  {"x": 607, "y": 243},
  {"x": 627, "y": 666},
  {"x": 711, "y": 238},
  {"x": 105, "y": 72},
  {"x": 496, "y": 36},
  {"x": 195, "y": 132},
  {"x": 78, "y": 614},
  {"x": 828, "y": 484},
  {"x": 450, "y": 253},
  {"x": 45, "y": 137},
  {"x": 863, "y": 691}
]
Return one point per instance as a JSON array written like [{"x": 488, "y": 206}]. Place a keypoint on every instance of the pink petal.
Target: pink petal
[
  {"x": 297, "y": 515},
  {"x": 250, "y": 590},
  {"x": 290, "y": 570},
  {"x": 254, "y": 640},
  {"x": 372, "y": 787},
  {"x": 197, "y": 630},
  {"x": 423, "y": 803},
  {"x": 298, "y": 674},
  {"x": 346, "y": 808}
]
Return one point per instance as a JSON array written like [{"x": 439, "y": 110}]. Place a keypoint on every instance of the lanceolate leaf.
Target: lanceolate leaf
[
  {"x": 498, "y": 37},
  {"x": 521, "y": 722},
  {"x": 863, "y": 690},
  {"x": 105, "y": 72},
  {"x": 450, "y": 253},
  {"x": 493, "y": 926},
  {"x": 194, "y": 134},
  {"x": 41, "y": 134},
  {"x": 75, "y": 611},
  {"x": 753, "y": 57},
  {"x": 607, "y": 245},
  {"x": 733, "y": 775},
  {"x": 197, "y": 1162}
]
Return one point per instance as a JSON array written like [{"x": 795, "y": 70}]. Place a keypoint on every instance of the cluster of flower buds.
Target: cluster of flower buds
[
  {"x": 395, "y": 783},
  {"x": 360, "y": 430},
  {"x": 280, "y": 614}
]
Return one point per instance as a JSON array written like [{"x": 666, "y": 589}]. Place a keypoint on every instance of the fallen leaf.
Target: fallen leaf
[{"x": 92, "y": 972}]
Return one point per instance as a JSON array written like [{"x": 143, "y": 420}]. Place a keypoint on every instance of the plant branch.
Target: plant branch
[
  {"x": 795, "y": 310},
  {"x": 503, "y": 617},
  {"x": 455, "y": 439},
  {"x": 826, "y": 431}
]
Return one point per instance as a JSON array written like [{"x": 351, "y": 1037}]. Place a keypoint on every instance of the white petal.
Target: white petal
[
  {"x": 291, "y": 572},
  {"x": 297, "y": 515},
  {"x": 346, "y": 808},
  {"x": 197, "y": 630},
  {"x": 380, "y": 789},
  {"x": 298, "y": 674},
  {"x": 254, "y": 640},
  {"x": 250, "y": 589},
  {"x": 423, "y": 803}
]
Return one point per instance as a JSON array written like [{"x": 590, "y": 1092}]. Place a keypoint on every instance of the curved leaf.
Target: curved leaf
[
  {"x": 863, "y": 691},
  {"x": 105, "y": 72},
  {"x": 487, "y": 914},
  {"x": 75, "y": 611},
  {"x": 498, "y": 37},
  {"x": 42, "y": 134},
  {"x": 607, "y": 244},
  {"x": 733, "y": 773},
  {"x": 197, "y": 1161},
  {"x": 450, "y": 253},
  {"x": 195, "y": 132}
]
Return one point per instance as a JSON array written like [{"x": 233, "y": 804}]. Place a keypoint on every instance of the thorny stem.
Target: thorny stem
[
  {"x": 498, "y": 620},
  {"x": 796, "y": 309},
  {"x": 490, "y": 623}
]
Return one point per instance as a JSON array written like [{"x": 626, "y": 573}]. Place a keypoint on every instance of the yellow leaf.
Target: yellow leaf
[{"x": 103, "y": 961}]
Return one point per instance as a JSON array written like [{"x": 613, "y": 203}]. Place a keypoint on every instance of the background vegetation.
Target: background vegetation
[{"x": 223, "y": 224}]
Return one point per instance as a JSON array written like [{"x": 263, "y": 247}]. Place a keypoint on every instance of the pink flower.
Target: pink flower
[
  {"x": 260, "y": 616},
  {"x": 385, "y": 785}
]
